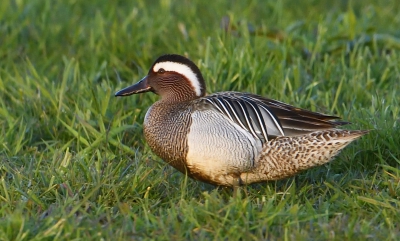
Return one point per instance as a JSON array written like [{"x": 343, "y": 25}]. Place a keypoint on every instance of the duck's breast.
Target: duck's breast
[{"x": 165, "y": 130}]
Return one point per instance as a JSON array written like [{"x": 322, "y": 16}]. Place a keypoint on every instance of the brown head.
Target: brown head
[{"x": 173, "y": 77}]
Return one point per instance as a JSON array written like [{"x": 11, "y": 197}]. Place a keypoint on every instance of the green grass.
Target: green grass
[{"x": 73, "y": 161}]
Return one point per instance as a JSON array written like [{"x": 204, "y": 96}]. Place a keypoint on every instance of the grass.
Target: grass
[{"x": 73, "y": 161}]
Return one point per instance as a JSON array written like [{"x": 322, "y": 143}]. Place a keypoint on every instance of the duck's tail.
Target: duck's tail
[{"x": 288, "y": 155}]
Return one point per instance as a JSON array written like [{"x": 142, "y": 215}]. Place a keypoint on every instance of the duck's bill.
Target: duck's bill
[{"x": 137, "y": 88}]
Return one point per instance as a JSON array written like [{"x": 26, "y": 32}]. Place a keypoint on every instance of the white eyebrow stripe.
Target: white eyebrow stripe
[{"x": 183, "y": 70}]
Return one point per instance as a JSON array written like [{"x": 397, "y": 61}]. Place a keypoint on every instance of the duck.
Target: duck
[{"x": 231, "y": 138}]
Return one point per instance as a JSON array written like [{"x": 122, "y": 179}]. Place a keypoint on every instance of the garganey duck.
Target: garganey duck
[{"x": 231, "y": 138}]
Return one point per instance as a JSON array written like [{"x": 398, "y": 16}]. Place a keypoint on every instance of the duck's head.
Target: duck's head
[{"x": 171, "y": 76}]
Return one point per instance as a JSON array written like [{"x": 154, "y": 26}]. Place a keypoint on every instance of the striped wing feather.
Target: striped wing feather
[{"x": 266, "y": 118}]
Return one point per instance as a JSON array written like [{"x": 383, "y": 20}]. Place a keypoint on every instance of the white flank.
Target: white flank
[
  {"x": 183, "y": 70},
  {"x": 218, "y": 147}
]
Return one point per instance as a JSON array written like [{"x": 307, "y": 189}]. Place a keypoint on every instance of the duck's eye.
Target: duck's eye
[{"x": 160, "y": 71}]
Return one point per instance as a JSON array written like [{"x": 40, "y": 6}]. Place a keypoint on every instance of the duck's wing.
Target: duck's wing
[{"x": 266, "y": 118}]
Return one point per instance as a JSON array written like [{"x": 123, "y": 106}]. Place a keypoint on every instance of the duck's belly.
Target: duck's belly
[{"x": 219, "y": 150}]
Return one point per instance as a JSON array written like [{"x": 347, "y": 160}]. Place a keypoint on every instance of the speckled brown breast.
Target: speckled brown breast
[{"x": 165, "y": 128}]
